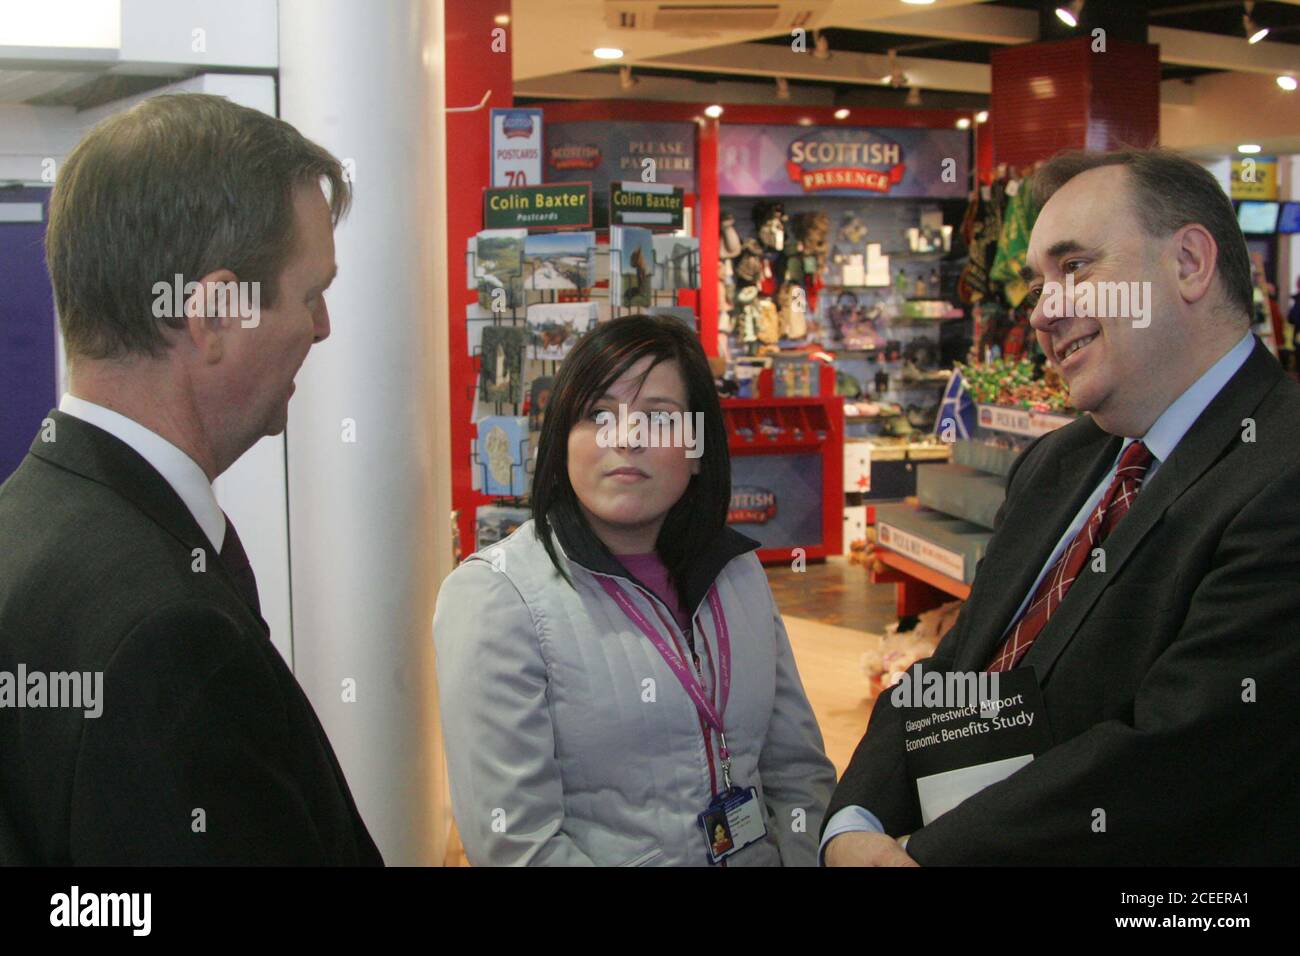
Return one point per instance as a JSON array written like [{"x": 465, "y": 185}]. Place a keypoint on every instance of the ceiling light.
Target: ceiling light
[
  {"x": 625, "y": 78},
  {"x": 1069, "y": 13},
  {"x": 821, "y": 46},
  {"x": 982, "y": 116},
  {"x": 963, "y": 123},
  {"x": 805, "y": 121},
  {"x": 607, "y": 53},
  {"x": 782, "y": 88},
  {"x": 501, "y": 19},
  {"x": 1287, "y": 83},
  {"x": 62, "y": 23},
  {"x": 913, "y": 96},
  {"x": 1248, "y": 148},
  {"x": 896, "y": 77},
  {"x": 1254, "y": 31},
  {"x": 841, "y": 113},
  {"x": 919, "y": 3},
  {"x": 713, "y": 112}
]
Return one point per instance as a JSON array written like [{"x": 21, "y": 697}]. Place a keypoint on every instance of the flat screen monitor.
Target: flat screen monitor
[
  {"x": 1289, "y": 220},
  {"x": 1257, "y": 217}
]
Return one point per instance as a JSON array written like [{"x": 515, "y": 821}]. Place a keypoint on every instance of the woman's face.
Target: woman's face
[{"x": 627, "y": 491}]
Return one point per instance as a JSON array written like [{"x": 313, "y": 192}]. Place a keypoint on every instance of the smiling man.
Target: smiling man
[
  {"x": 1145, "y": 569},
  {"x": 116, "y": 558}
]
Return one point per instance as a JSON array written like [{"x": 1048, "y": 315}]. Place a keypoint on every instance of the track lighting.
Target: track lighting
[
  {"x": 1254, "y": 31},
  {"x": 1069, "y": 13}
]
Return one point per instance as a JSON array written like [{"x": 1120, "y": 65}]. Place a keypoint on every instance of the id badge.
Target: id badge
[{"x": 732, "y": 822}]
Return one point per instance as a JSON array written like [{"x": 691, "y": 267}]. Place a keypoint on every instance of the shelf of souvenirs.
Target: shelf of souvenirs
[
  {"x": 917, "y": 309},
  {"x": 1011, "y": 396}
]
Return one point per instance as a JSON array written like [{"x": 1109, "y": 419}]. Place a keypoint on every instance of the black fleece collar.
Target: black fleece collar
[{"x": 581, "y": 546}]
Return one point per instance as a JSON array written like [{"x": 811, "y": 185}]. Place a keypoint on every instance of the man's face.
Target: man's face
[
  {"x": 266, "y": 357},
  {"x": 629, "y": 500},
  {"x": 1089, "y": 230}
]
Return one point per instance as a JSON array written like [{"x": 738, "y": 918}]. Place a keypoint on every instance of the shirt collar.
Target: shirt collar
[
  {"x": 177, "y": 468},
  {"x": 1168, "y": 430}
]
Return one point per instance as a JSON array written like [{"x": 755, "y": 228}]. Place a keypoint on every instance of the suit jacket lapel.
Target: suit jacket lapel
[
  {"x": 94, "y": 454},
  {"x": 1210, "y": 436},
  {"x": 1029, "y": 532}
]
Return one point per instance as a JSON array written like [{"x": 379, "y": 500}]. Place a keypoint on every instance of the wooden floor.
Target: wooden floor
[{"x": 828, "y": 609}]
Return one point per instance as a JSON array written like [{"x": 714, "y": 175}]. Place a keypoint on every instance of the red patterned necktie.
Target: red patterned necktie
[{"x": 1051, "y": 590}]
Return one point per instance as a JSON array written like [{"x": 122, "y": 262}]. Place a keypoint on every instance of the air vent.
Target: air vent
[{"x": 681, "y": 18}]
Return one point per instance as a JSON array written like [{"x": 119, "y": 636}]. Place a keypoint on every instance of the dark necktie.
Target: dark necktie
[
  {"x": 235, "y": 560},
  {"x": 1051, "y": 590}
]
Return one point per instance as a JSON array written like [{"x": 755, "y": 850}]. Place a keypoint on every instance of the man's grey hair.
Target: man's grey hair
[{"x": 1169, "y": 192}]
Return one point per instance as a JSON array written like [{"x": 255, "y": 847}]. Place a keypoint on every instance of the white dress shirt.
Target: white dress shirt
[{"x": 177, "y": 468}]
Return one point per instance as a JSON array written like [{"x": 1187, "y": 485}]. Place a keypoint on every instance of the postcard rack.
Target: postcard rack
[{"x": 522, "y": 465}]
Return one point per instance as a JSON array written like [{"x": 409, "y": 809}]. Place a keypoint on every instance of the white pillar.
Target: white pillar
[{"x": 368, "y": 520}]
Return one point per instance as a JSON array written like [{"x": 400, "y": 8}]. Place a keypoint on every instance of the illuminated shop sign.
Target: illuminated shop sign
[
  {"x": 751, "y": 504},
  {"x": 845, "y": 159}
]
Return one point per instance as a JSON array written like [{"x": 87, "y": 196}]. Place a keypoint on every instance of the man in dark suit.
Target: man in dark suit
[
  {"x": 1145, "y": 564},
  {"x": 189, "y": 741}
]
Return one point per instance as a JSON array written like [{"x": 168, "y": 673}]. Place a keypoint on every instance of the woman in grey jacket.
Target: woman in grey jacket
[{"x": 616, "y": 683}]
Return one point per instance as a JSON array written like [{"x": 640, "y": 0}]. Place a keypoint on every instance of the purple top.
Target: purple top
[{"x": 650, "y": 570}]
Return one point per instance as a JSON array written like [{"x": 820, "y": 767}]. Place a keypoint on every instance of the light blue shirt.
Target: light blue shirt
[{"x": 1161, "y": 439}]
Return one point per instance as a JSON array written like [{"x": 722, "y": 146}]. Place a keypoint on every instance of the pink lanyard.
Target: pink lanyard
[{"x": 678, "y": 666}]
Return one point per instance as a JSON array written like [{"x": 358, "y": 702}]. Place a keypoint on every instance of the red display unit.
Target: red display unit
[{"x": 778, "y": 446}]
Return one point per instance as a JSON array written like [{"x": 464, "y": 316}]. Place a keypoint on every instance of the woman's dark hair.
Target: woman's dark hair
[{"x": 598, "y": 360}]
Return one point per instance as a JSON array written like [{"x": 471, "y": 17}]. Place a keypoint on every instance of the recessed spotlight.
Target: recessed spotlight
[
  {"x": 1287, "y": 83},
  {"x": 1069, "y": 13},
  {"x": 841, "y": 113},
  {"x": 501, "y": 19},
  {"x": 963, "y": 123},
  {"x": 1249, "y": 148},
  {"x": 713, "y": 112},
  {"x": 982, "y": 116},
  {"x": 805, "y": 121},
  {"x": 607, "y": 53},
  {"x": 919, "y": 3}
]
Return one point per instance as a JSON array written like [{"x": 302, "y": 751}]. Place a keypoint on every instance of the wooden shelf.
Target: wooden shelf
[{"x": 918, "y": 588}]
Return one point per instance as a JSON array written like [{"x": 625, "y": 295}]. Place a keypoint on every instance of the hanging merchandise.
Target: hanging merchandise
[
  {"x": 725, "y": 306},
  {"x": 770, "y": 222},
  {"x": 749, "y": 264},
  {"x": 769, "y": 322},
  {"x": 981, "y": 227},
  {"x": 1013, "y": 244},
  {"x": 791, "y": 301},
  {"x": 812, "y": 230},
  {"x": 728, "y": 246},
  {"x": 852, "y": 229},
  {"x": 746, "y": 299}
]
